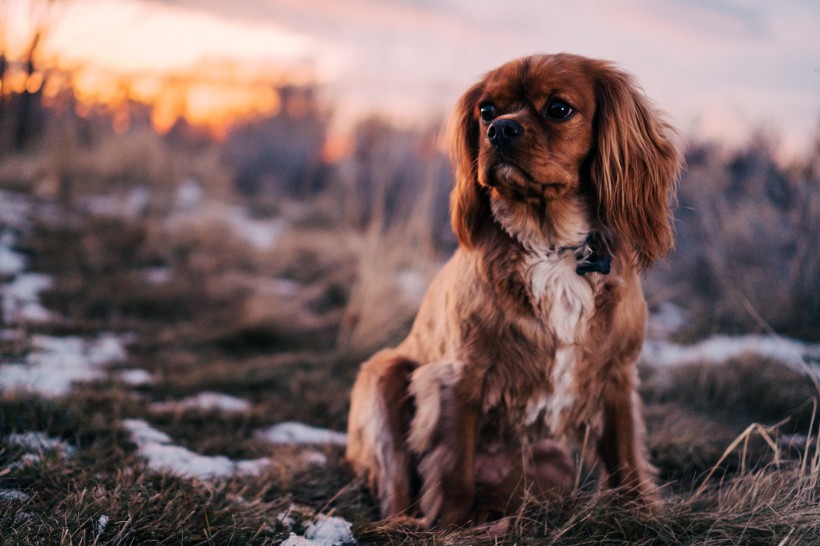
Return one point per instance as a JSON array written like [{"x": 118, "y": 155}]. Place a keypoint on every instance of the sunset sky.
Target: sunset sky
[{"x": 720, "y": 68}]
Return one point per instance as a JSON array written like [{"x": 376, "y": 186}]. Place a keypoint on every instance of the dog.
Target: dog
[{"x": 526, "y": 343}]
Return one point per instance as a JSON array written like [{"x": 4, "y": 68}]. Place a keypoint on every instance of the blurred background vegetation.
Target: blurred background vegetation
[
  {"x": 261, "y": 253},
  {"x": 747, "y": 222}
]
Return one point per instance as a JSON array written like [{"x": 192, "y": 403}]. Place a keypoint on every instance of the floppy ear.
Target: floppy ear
[
  {"x": 469, "y": 205},
  {"x": 635, "y": 168}
]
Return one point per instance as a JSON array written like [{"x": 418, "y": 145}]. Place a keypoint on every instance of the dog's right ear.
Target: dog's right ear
[{"x": 469, "y": 205}]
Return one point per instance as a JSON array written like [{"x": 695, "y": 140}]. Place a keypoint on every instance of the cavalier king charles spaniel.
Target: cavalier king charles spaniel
[{"x": 525, "y": 347}]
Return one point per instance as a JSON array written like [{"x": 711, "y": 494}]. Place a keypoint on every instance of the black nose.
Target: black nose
[{"x": 504, "y": 131}]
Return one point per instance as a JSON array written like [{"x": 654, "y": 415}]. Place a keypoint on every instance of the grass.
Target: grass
[
  {"x": 286, "y": 329},
  {"x": 209, "y": 328}
]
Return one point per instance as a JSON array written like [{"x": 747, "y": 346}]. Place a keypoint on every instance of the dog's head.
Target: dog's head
[{"x": 544, "y": 128}]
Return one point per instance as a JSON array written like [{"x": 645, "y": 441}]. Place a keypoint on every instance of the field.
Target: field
[{"x": 174, "y": 313}]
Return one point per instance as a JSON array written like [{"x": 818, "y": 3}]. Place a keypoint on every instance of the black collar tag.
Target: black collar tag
[
  {"x": 594, "y": 263},
  {"x": 593, "y": 256}
]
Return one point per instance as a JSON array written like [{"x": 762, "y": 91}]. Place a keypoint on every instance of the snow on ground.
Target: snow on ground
[
  {"x": 130, "y": 205},
  {"x": 207, "y": 401},
  {"x": 7, "y": 495},
  {"x": 156, "y": 276},
  {"x": 11, "y": 262},
  {"x": 39, "y": 442},
  {"x": 101, "y": 524},
  {"x": 21, "y": 294},
  {"x": 298, "y": 433},
  {"x": 189, "y": 195},
  {"x": 322, "y": 530},
  {"x": 718, "y": 349},
  {"x": 162, "y": 456},
  {"x": 55, "y": 363},
  {"x": 15, "y": 209},
  {"x": 21, "y": 298},
  {"x": 134, "y": 377},
  {"x": 261, "y": 233},
  {"x": 664, "y": 321}
]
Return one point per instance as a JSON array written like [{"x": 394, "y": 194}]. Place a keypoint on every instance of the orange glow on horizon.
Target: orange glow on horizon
[
  {"x": 183, "y": 63},
  {"x": 336, "y": 147},
  {"x": 213, "y": 100}
]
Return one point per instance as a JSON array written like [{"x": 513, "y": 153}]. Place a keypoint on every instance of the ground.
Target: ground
[{"x": 160, "y": 372}]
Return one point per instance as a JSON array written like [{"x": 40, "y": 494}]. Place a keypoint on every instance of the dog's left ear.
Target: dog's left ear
[{"x": 635, "y": 168}]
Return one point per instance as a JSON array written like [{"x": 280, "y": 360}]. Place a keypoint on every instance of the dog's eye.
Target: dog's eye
[
  {"x": 558, "y": 109},
  {"x": 487, "y": 112}
]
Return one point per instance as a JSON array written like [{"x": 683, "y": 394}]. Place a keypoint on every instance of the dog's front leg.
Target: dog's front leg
[
  {"x": 443, "y": 434},
  {"x": 621, "y": 445}
]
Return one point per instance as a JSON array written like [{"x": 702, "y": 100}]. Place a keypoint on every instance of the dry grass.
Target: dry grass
[
  {"x": 745, "y": 260},
  {"x": 195, "y": 336},
  {"x": 286, "y": 328}
]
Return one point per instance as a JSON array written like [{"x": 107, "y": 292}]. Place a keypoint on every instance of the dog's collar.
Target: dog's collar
[{"x": 592, "y": 255}]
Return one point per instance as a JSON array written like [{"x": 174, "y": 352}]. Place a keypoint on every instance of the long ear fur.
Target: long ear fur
[
  {"x": 635, "y": 168},
  {"x": 469, "y": 205}
]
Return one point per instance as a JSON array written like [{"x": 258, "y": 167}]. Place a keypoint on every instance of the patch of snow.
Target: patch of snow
[
  {"x": 132, "y": 205},
  {"x": 56, "y": 363},
  {"x": 720, "y": 348},
  {"x": 137, "y": 201},
  {"x": 207, "y": 401},
  {"x": 299, "y": 433},
  {"x": 15, "y": 209},
  {"x": 185, "y": 463},
  {"x": 666, "y": 320},
  {"x": 296, "y": 540},
  {"x": 252, "y": 467},
  {"x": 7, "y": 495},
  {"x": 189, "y": 194},
  {"x": 797, "y": 441},
  {"x": 286, "y": 517},
  {"x": 324, "y": 531},
  {"x": 29, "y": 459},
  {"x": 135, "y": 377},
  {"x": 101, "y": 205},
  {"x": 262, "y": 234},
  {"x": 11, "y": 262},
  {"x": 330, "y": 530},
  {"x": 40, "y": 442},
  {"x": 105, "y": 349},
  {"x": 315, "y": 458},
  {"x": 162, "y": 456},
  {"x": 101, "y": 524},
  {"x": 142, "y": 433},
  {"x": 21, "y": 298},
  {"x": 21, "y": 517},
  {"x": 156, "y": 276}
]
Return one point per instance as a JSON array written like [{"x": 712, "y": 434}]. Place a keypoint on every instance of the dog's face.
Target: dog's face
[
  {"x": 535, "y": 118},
  {"x": 548, "y": 127}
]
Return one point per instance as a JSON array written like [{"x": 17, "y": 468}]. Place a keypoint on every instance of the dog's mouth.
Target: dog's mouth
[{"x": 511, "y": 179}]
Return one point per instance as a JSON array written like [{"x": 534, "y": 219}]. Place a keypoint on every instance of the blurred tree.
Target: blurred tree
[{"x": 22, "y": 78}]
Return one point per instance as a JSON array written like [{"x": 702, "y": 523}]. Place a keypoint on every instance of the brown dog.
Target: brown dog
[{"x": 527, "y": 340}]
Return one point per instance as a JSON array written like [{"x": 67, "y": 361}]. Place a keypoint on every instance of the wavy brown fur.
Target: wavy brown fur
[{"x": 514, "y": 359}]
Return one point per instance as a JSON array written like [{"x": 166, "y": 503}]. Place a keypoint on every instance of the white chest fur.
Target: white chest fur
[
  {"x": 564, "y": 300},
  {"x": 562, "y": 297}
]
